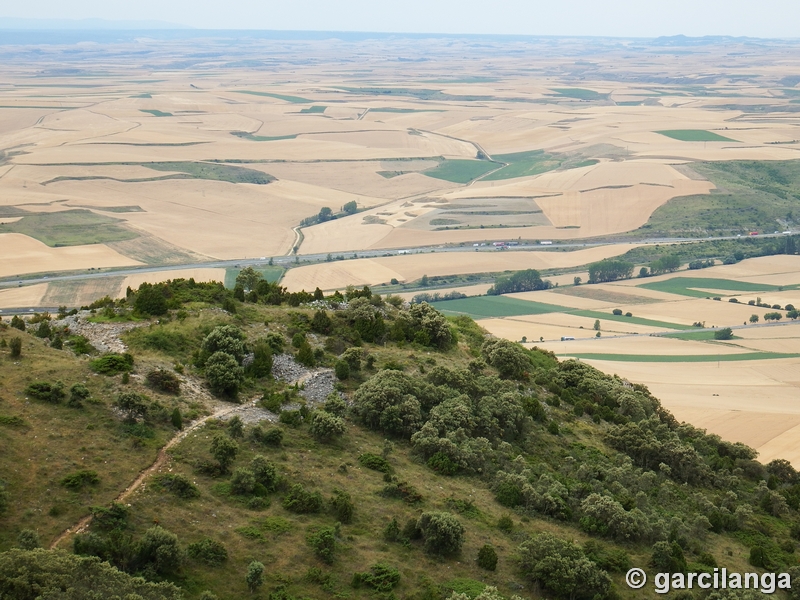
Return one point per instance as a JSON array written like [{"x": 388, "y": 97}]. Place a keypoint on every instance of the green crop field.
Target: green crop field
[
  {"x": 580, "y": 94},
  {"x": 694, "y": 135},
  {"x": 314, "y": 109},
  {"x": 70, "y": 228},
  {"x": 687, "y": 286},
  {"x": 292, "y": 99},
  {"x": 156, "y": 113},
  {"x": 214, "y": 172},
  {"x": 262, "y": 138},
  {"x": 697, "y": 336},
  {"x": 403, "y": 110},
  {"x": 271, "y": 274},
  {"x": 524, "y": 164},
  {"x": 482, "y": 307},
  {"x": 460, "y": 171},
  {"x": 594, "y": 314},
  {"x": 685, "y": 358}
]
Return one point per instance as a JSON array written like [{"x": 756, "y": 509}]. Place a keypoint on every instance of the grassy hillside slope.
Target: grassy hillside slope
[{"x": 432, "y": 428}]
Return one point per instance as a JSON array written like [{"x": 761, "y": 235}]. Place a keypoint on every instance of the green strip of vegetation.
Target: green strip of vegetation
[
  {"x": 214, "y": 172},
  {"x": 685, "y": 358},
  {"x": 285, "y": 98},
  {"x": 262, "y": 138},
  {"x": 524, "y": 164},
  {"x": 70, "y": 228},
  {"x": 403, "y": 110},
  {"x": 593, "y": 314},
  {"x": 694, "y": 135},
  {"x": 580, "y": 94},
  {"x": 314, "y": 109},
  {"x": 683, "y": 286},
  {"x": 156, "y": 113},
  {"x": 271, "y": 274},
  {"x": 482, "y": 307},
  {"x": 460, "y": 171},
  {"x": 696, "y": 336}
]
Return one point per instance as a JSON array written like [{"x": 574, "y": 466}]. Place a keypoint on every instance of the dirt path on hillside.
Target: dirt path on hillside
[{"x": 161, "y": 458}]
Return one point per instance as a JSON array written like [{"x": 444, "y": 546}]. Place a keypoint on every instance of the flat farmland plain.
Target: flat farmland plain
[{"x": 517, "y": 156}]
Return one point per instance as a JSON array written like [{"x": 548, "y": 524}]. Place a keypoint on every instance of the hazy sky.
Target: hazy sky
[{"x": 645, "y": 18}]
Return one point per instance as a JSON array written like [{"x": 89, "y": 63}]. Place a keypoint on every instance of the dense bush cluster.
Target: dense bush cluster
[{"x": 522, "y": 281}]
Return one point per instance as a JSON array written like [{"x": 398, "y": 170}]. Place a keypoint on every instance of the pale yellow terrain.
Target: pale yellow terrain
[
  {"x": 29, "y": 295},
  {"x": 752, "y": 406},
  {"x": 21, "y": 254},
  {"x": 409, "y": 267}
]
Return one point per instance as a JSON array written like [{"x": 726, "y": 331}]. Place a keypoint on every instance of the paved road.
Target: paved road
[{"x": 288, "y": 261}]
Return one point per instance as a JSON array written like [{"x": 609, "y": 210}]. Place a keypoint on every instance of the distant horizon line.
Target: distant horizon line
[{"x": 66, "y": 26}]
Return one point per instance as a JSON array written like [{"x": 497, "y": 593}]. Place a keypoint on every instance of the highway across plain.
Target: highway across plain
[{"x": 290, "y": 261}]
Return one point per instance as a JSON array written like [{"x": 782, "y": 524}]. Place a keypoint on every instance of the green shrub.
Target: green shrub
[
  {"x": 15, "y": 345},
  {"x": 176, "y": 419},
  {"x": 342, "y": 506},
  {"x": 299, "y": 500},
  {"x": 335, "y": 405},
  {"x": 265, "y": 473},
  {"x": 79, "y": 479},
  {"x": 505, "y": 523},
  {"x": 164, "y": 381},
  {"x": 380, "y": 577},
  {"x": 179, "y": 485},
  {"x": 224, "y": 374},
  {"x": 47, "y": 392},
  {"x": 723, "y": 334},
  {"x": 270, "y": 437},
  {"x": 243, "y": 482},
  {"x": 208, "y": 551},
  {"x": 110, "y": 518},
  {"x": 487, "y": 557},
  {"x": 12, "y": 421},
  {"x": 293, "y": 418},
  {"x": 323, "y": 542},
  {"x": 403, "y": 491},
  {"x": 255, "y": 576},
  {"x": 224, "y": 449},
  {"x": 77, "y": 394},
  {"x": 391, "y": 533},
  {"x": 342, "y": 370},
  {"x": 375, "y": 462},
  {"x": 442, "y": 533},
  {"x": 111, "y": 364},
  {"x": 441, "y": 463},
  {"x": 235, "y": 427},
  {"x": 325, "y": 426},
  {"x": 27, "y": 538}
]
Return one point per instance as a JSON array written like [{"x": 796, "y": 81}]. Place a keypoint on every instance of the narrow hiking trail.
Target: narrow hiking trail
[
  {"x": 161, "y": 458},
  {"x": 163, "y": 454}
]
